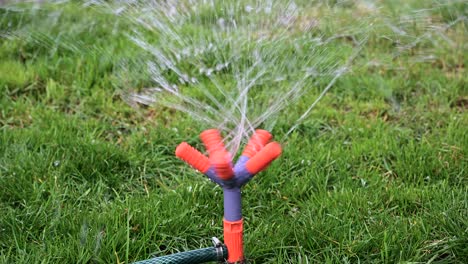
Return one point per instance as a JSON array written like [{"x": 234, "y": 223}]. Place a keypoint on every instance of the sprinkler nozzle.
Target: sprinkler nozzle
[
  {"x": 193, "y": 157},
  {"x": 263, "y": 158},
  {"x": 221, "y": 162},
  {"x": 212, "y": 140},
  {"x": 258, "y": 140}
]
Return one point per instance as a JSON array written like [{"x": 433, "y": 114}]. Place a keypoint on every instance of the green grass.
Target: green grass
[{"x": 376, "y": 174}]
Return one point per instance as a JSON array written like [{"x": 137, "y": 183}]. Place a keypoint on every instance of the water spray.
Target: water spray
[{"x": 218, "y": 167}]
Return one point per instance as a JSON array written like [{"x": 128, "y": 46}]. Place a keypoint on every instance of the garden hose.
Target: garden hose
[{"x": 217, "y": 253}]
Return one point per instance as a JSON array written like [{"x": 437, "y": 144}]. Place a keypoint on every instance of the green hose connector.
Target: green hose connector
[{"x": 217, "y": 253}]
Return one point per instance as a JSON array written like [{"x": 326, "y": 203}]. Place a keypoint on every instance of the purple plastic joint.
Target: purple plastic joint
[{"x": 231, "y": 188}]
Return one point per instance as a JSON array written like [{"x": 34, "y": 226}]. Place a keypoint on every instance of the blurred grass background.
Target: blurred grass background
[{"x": 376, "y": 174}]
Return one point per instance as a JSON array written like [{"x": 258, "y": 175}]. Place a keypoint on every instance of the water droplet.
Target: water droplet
[
  {"x": 219, "y": 66},
  {"x": 363, "y": 182},
  {"x": 280, "y": 78},
  {"x": 248, "y": 8},
  {"x": 222, "y": 22}
]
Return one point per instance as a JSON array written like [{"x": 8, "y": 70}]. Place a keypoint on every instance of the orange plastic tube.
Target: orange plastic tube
[
  {"x": 193, "y": 157},
  {"x": 212, "y": 140},
  {"x": 233, "y": 240},
  {"x": 263, "y": 158},
  {"x": 258, "y": 140},
  {"x": 221, "y": 162}
]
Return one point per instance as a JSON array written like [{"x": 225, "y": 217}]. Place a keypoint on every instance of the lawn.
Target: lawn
[{"x": 377, "y": 173}]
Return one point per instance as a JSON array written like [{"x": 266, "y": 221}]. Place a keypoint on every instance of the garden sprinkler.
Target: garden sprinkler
[{"x": 257, "y": 155}]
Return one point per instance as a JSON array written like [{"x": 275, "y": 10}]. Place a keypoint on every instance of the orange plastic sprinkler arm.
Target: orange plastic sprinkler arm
[
  {"x": 233, "y": 240},
  {"x": 221, "y": 162},
  {"x": 193, "y": 157},
  {"x": 258, "y": 140},
  {"x": 263, "y": 158},
  {"x": 212, "y": 140}
]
